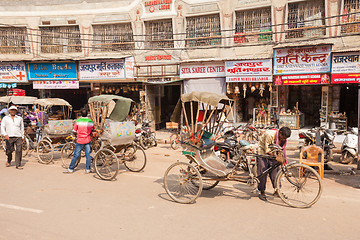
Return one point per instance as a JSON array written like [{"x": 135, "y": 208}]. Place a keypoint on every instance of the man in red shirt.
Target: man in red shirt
[{"x": 83, "y": 126}]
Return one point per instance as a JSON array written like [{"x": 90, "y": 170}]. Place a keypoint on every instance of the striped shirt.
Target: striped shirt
[{"x": 83, "y": 126}]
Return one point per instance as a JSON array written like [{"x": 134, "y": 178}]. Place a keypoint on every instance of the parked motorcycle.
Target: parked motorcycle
[
  {"x": 230, "y": 150},
  {"x": 349, "y": 148},
  {"x": 326, "y": 137},
  {"x": 144, "y": 136}
]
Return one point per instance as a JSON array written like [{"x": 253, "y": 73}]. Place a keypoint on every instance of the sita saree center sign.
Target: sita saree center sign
[{"x": 51, "y": 71}]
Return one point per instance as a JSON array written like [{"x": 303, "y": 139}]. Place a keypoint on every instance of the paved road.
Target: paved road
[{"x": 40, "y": 202}]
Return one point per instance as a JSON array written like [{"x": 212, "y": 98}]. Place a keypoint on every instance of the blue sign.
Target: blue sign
[{"x": 51, "y": 71}]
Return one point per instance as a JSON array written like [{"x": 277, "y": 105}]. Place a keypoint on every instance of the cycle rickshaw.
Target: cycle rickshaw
[
  {"x": 23, "y": 104},
  {"x": 112, "y": 117},
  {"x": 204, "y": 114},
  {"x": 55, "y": 127}
]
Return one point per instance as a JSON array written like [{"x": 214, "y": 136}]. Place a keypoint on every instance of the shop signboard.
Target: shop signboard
[
  {"x": 345, "y": 68},
  {"x": 8, "y": 85},
  {"x": 302, "y": 60},
  {"x": 157, "y": 6},
  {"x": 208, "y": 70},
  {"x": 55, "y": 71},
  {"x": 102, "y": 69},
  {"x": 56, "y": 84},
  {"x": 249, "y": 71},
  {"x": 13, "y": 72},
  {"x": 129, "y": 67},
  {"x": 302, "y": 79}
]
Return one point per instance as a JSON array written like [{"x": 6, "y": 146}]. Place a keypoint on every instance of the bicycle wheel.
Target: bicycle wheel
[
  {"x": 299, "y": 186},
  {"x": 67, "y": 153},
  {"x": 45, "y": 152},
  {"x": 106, "y": 164},
  {"x": 134, "y": 158},
  {"x": 178, "y": 182},
  {"x": 174, "y": 141},
  {"x": 143, "y": 142},
  {"x": 25, "y": 147}
]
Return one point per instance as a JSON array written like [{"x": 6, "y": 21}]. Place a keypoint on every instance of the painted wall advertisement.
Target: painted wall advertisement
[
  {"x": 13, "y": 72},
  {"x": 345, "y": 68},
  {"x": 56, "y": 84},
  {"x": 100, "y": 70},
  {"x": 302, "y": 60},
  {"x": 249, "y": 71},
  {"x": 54, "y": 71},
  {"x": 202, "y": 70}
]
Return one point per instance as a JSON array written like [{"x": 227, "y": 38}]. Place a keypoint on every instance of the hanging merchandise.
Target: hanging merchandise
[
  {"x": 244, "y": 88},
  {"x": 237, "y": 90},
  {"x": 270, "y": 87},
  {"x": 228, "y": 89},
  {"x": 117, "y": 91},
  {"x": 257, "y": 85},
  {"x": 253, "y": 89},
  {"x": 261, "y": 89}
]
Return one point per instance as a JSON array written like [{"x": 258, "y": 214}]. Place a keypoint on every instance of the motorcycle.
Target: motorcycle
[
  {"x": 231, "y": 150},
  {"x": 144, "y": 136},
  {"x": 349, "y": 148},
  {"x": 326, "y": 137}
]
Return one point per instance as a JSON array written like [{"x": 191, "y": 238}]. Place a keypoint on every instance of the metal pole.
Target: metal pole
[{"x": 358, "y": 153}]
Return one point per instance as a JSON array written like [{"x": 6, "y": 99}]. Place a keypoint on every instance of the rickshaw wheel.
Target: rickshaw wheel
[
  {"x": 67, "y": 153},
  {"x": 25, "y": 147},
  {"x": 179, "y": 182},
  {"x": 134, "y": 158},
  {"x": 106, "y": 164},
  {"x": 207, "y": 184},
  {"x": 45, "y": 152}
]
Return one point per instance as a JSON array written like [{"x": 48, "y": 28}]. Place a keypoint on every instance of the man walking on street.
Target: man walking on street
[
  {"x": 83, "y": 126},
  {"x": 12, "y": 128},
  {"x": 270, "y": 137}
]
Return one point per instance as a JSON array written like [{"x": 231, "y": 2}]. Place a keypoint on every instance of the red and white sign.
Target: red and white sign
[
  {"x": 249, "y": 71},
  {"x": 157, "y": 57},
  {"x": 56, "y": 84},
  {"x": 304, "y": 79},
  {"x": 337, "y": 78},
  {"x": 202, "y": 71},
  {"x": 302, "y": 60},
  {"x": 13, "y": 72},
  {"x": 157, "y": 5},
  {"x": 345, "y": 68}
]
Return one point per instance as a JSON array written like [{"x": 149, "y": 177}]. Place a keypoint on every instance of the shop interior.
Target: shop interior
[
  {"x": 129, "y": 90},
  {"x": 250, "y": 96},
  {"x": 349, "y": 104}
]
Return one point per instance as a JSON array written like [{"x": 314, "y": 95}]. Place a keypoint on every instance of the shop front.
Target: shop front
[
  {"x": 249, "y": 83},
  {"x": 13, "y": 79},
  {"x": 302, "y": 75},
  {"x": 345, "y": 80},
  {"x": 57, "y": 80}
]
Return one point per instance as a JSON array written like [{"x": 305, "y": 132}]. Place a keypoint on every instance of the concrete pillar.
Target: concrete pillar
[
  {"x": 85, "y": 23},
  {"x": 279, "y": 18}
]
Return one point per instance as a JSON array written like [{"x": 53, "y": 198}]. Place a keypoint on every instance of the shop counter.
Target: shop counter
[{"x": 294, "y": 121}]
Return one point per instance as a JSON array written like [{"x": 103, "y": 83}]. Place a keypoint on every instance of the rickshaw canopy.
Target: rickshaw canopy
[
  {"x": 212, "y": 99},
  {"x": 122, "y": 108},
  {"x": 18, "y": 100},
  {"x": 49, "y": 102}
]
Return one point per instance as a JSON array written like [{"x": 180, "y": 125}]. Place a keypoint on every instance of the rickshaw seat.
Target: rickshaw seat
[{"x": 208, "y": 160}]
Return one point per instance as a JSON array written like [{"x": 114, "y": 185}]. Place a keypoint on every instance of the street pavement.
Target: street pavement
[{"x": 41, "y": 202}]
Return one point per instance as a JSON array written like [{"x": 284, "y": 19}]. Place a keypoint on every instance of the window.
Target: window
[
  {"x": 203, "y": 31},
  {"x": 64, "y": 39},
  {"x": 250, "y": 23},
  {"x": 13, "y": 40},
  {"x": 351, "y": 16},
  {"x": 159, "y": 34},
  {"x": 113, "y": 37},
  {"x": 306, "y": 19}
]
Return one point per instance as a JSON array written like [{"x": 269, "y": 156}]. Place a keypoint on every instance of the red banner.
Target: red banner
[
  {"x": 342, "y": 78},
  {"x": 303, "y": 79}
]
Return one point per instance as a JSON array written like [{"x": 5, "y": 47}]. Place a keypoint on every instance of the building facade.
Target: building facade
[{"x": 166, "y": 36}]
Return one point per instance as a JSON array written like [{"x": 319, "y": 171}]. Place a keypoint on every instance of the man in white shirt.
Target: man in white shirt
[{"x": 12, "y": 128}]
